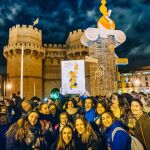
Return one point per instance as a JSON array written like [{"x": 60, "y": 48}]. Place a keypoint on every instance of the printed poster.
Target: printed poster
[{"x": 73, "y": 77}]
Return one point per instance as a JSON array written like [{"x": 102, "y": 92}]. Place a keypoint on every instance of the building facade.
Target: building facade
[
  {"x": 137, "y": 80},
  {"x": 42, "y": 62}
]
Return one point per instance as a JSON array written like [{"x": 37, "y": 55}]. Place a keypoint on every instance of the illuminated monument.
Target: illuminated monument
[
  {"x": 102, "y": 42},
  {"x": 42, "y": 62}
]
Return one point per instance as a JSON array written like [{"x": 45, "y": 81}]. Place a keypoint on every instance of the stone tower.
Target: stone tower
[
  {"x": 31, "y": 39},
  {"x": 52, "y": 67},
  {"x": 76, "y": 51}
]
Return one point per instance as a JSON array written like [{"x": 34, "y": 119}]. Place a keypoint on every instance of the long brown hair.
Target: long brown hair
[
  {"x": 61, "y": 143},
  {"x": 88, "y": 130},
  {"x": 21, "y": 128}
]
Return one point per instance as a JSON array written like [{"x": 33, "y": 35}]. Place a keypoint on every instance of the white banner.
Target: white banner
[{"x": 73, "y": 77}]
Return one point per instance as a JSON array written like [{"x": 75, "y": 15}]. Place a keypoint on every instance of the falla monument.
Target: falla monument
[{"x": 102, "y": 58}]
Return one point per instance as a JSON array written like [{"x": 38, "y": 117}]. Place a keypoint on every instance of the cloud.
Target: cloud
[
  {"x": 2, "y": 22},
  {"x": 135, "y": 51},
  {"x": 9, "y": 12},
  {"x": 70, "y": 20},
  {"x": 147, "y": 50},
  {"x": 80, "y": 4},
  {"x": 90, "y": 13},
  {"x": 15, "y": 9}
]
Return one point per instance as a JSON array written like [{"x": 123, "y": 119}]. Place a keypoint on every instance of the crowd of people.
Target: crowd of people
[{"x": 118, "y": 122}]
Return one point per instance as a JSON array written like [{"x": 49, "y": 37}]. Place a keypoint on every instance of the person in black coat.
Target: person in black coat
[
  {"x": 55, "y": 112},
  {"x": 45, "y": 122}
]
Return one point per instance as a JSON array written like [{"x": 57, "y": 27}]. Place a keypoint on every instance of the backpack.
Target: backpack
[{"x": 135, "y": 143}]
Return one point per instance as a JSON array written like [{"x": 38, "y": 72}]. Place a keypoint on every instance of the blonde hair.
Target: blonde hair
[
  {"x": 63, "y": 113},
  {"x": 88, "y": 130},
  {"x": 61, "y": 143},
  {"x": 21, "y": 128}
]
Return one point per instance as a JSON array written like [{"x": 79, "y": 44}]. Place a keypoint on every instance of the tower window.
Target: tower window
[
  {"x": 147, "y": 84},
  {"x": 146, "y": 78}
]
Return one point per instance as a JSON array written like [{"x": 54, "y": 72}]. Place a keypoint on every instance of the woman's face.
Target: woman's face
[
  {"x": 26, "y": 106},
  {"x": 106, "y": 119},
  {"x": 63, "y": 119},
  {"x": 80, "y": 127},
  {"x": 52, "y": 109},
  {"x": 88, "y": 104},
  {"x": 115, "y": 99},
  {"x": 67, "y": 135},
  {"x": 45, "y": 109},
  {"x": 33, "y": 118},
  {"x": 100, "y": 109},
  {"x": 136, "y": 108},
  {"x": 116, "y": 110},
  {"x": 70, "y": 105}
]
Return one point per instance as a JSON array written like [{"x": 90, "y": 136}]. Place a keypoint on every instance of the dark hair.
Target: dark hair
[
  {"x": 104, "y": 104},
  {"x": 53, "y": 104},
  {"x": 111, "y": 114},
  {"x": 91, "y": 98},
  {"x": 68, "y": 102},
  {"x": 40, "y": 106},
  {"x": 138, "y": 101}
]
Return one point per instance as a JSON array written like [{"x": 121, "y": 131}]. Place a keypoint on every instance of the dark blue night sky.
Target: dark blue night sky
[{"x": 58, "y": 17}]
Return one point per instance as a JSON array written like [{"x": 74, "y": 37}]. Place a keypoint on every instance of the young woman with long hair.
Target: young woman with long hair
[
  {"x": 142, "y": 125},
  {"x": 100, "y": 108},
  {"x": 120, "y": 108},
  {"x": 26, "y": 134},
  {"x": 115, "y": 135},
  {"x": 85, "y": 137},
  {"x": 66, "y": 139},
  {"x": 71, "y": 110}
]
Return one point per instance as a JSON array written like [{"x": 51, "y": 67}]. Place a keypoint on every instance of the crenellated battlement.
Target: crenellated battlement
[
  {"x": 25, "y": 45},
  {"x": 15, "y": 48},
  {"x": 54, "y": 45},
  {"x": 78, "y": 49},
  {"x": 73, "y": 39},
  {"x": 81, "y": 48},
  {"x": 25, "y": 34},
  {"x": 79, "y": 31},
  {"x": 28, "y": 27}
]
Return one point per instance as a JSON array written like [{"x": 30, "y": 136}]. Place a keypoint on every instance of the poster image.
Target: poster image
[{"x": 73, "y": 77}]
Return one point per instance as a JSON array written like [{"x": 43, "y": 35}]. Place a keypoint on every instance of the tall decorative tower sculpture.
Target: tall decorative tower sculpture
[
  {"x": 102, "y": 42},
  {"x": 30, "y": 38}
]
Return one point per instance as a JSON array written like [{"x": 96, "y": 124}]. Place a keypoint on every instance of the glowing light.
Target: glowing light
[
  {"x": 45, "y": 99},
  {"x": 9, "y": 86},
  {"x": 136, "y": 82}
]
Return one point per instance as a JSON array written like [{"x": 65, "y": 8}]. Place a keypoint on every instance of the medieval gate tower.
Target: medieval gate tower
[{"x": 31, "y": 40}]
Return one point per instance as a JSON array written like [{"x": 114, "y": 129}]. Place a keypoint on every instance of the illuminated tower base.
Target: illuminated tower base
[{"x": 103, "y": 78}]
